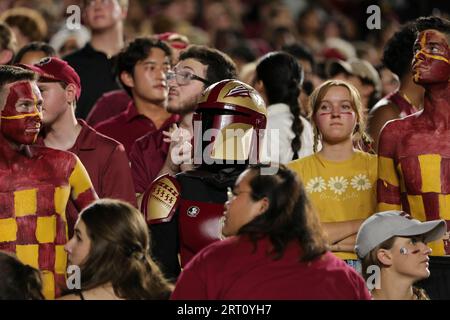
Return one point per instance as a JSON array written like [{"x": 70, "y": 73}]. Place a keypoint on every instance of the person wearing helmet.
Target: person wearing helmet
[{"x": 185, "y": 212}]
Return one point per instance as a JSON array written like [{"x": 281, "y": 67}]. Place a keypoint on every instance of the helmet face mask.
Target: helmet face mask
[{"x": 228, "y": 124}]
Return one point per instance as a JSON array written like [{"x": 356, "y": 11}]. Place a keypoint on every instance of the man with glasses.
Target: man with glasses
[
  {"x": 198, "y": 67},
  {"x": 94, "y": 62}
]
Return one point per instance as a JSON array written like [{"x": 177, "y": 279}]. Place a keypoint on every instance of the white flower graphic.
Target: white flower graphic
[
  {"x": 316, "y": 184},
  {"x": 338, "y": 184},
  {"x": 360, "y": 182}
]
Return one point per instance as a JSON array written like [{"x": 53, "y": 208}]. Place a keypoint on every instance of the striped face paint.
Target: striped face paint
[
  {"x": 22, "y": 113},
  {"x": 344, "y": 108},
  {"x": 431, "y": 62}
]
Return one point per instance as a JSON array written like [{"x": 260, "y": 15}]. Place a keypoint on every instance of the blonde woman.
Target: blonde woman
[
  {"x": 339, "y": 179},
  {"x": 396, "y": 245}
]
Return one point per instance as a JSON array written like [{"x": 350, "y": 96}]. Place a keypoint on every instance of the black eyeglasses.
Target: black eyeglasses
[{"x": 183, "y": 77}]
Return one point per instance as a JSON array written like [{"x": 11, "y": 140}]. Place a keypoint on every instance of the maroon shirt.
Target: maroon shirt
[
  {"x": 231, "y": 270},
  {"x": 109, "y": 105},
  {"x": 147, "y": 157},
  {"x": 107, "y": 165},
  {"x": 129, "y": 126}
]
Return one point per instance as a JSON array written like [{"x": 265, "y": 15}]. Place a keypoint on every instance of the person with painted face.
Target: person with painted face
[
  {"x": 185, "y": 212},
  {"x": 394, "y": 253},
  {"x": 414, "y": 152},
  {"x": 35, "y": 182}
]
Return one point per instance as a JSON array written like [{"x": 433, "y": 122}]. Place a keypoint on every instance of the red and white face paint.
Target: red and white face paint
[
  {"x": 431, "y": 62},
  {"x": 22, "y": 113}
]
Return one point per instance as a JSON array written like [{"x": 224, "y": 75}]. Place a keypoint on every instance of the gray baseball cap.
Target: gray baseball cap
[{"x": 382, "y": 226}]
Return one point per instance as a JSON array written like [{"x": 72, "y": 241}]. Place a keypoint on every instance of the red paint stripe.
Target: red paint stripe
[
  {"x": 405, "y": 203},
  {"x": 8, "y": 246},
  {"x": 387, "y": 194},
  {"x": 45, "y": 204},
  {"x": 85, "y": 198},
  {"x": 26, "y": 230},
  {"x": 431, "y": 205},
  {"x": 61, "y": 235},
  {"x": 47, "y": 256},
  {"x": 6, "y": 205},
  {"x": 445, "y": 174},
  {"x": 411, "y": 173}
]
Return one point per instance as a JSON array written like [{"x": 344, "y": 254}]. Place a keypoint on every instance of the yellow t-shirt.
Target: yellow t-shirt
[{"x": 340, "y": 191}]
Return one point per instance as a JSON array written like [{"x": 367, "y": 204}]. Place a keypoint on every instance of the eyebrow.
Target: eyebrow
[
  {"x": 189, "y": 68},
  {"x": 329, "y": 101}
]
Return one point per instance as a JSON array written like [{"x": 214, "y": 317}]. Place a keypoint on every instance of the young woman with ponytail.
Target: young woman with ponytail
[
  {"x": 111, "y": 246},
  {"x": 279, "y": 78},
  {"x": 339, "y": 179}
]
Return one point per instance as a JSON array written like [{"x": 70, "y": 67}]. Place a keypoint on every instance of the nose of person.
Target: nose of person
[{"x": 335, "y": 112}]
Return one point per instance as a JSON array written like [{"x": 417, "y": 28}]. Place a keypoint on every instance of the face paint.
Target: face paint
[
  {"x": 431, "y": 62},
  {"x": 21, "y": 116}
]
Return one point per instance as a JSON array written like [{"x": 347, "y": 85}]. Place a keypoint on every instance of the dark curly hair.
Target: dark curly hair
[
  {"x": 435, "y": 23},
  {"x": 220, "y": 65},
  {"x": 398, "y": 52},
  {"x": 289, "y": 217},
  {"x": 35, "y": 46}
]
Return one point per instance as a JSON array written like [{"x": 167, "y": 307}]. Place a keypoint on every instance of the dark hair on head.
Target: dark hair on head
[
  {"x": 120, "y": 252},
  {"x": 301, "y": 53},
  {"x": 243, "y": 51},
  {"x": 282, "y": 77},
  {"x": 398, "y": 52},
  {"x": 18, "y": 281},
  {"x": 29, "y": 21},
  {"x": 11, "y": 74},
  {"x": 289, "y": 216},
  {"x": 7, "y": 38},
  {"x": 219, "y": 65},
  {"x": 435, "y": 23},
  {"x": 137, "y": 50},
  {"x": 35, "y": 46}
]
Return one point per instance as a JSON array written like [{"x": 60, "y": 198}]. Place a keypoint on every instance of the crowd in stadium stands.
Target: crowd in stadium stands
[{"x": 212, "y": 149}]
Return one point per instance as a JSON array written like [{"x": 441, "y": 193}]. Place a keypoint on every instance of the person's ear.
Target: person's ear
[
  {"x": 259, "y": 86},
  {"x": 71, "y": 92},
  {"x": 6, "y": 56},
  {"x": 385, "y": 257},
  {"x": 127, "y": 79},
  {"x": 263, "y": 205}
]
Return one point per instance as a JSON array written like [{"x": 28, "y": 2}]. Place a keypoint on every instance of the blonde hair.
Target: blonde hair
[{"x": 359, "y": 134}]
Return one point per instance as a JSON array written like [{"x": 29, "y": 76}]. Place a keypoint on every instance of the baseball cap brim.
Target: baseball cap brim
[{"x": 431, "y": 230}]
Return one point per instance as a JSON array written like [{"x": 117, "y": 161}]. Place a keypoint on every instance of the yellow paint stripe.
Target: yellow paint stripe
[{"x": 21, "y": 116}]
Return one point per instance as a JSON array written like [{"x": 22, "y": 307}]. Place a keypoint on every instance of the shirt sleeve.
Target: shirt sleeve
[
  {"x": 82, "y": 191},
  {"x": 117, "y": 182},
  {"x": 388, "y": 184}
]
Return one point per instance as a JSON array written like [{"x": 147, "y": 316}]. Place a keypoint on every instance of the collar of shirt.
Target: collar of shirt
[
  {"x": 131, "y": 113},
  {"x": 86, "y": 138}
]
